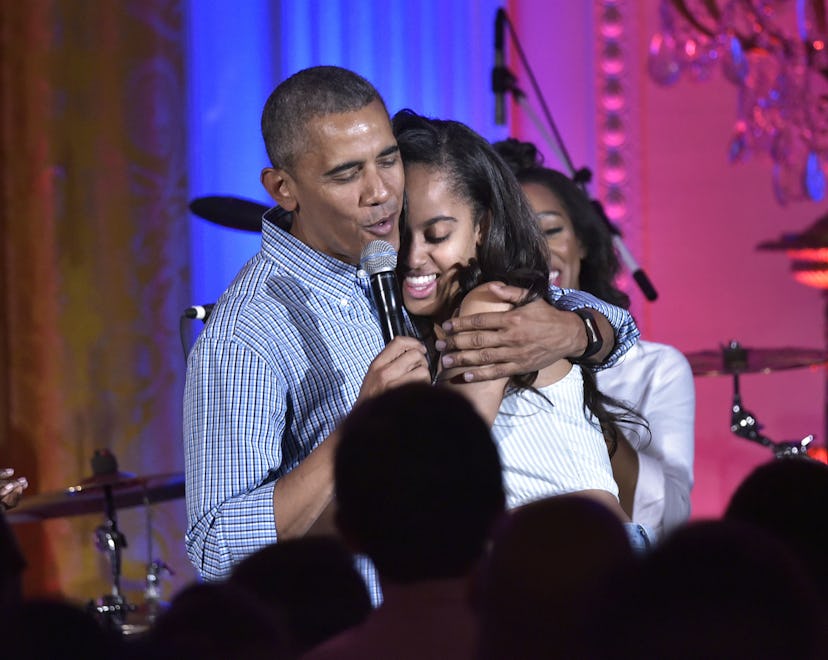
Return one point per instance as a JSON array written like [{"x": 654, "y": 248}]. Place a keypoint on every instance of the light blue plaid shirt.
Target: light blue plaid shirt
[{"x": 278, "y": 365}]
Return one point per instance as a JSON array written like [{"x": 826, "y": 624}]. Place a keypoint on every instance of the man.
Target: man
[
  {"x": 294, "y": 342},
  {"x": 419, "y": 494}
]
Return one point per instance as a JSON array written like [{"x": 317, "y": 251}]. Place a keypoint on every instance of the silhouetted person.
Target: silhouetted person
[
  {"x": 546, "y": 559},
  {"x": 418, "y": 489},
  {"x": 713, "y": 589},
  {"x": 312, "y": 581},
  {"x": 56, "y": 629},
  {"x": 215, "y": 621},
  {"x": 788, "y": 497}
]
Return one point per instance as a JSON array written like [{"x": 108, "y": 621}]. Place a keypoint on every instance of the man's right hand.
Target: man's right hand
[{"x": 402, "y": 361}]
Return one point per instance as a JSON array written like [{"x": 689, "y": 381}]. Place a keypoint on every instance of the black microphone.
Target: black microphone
[
  {"x": 379, "y": 260},
  {"x": 499, "y": 71}
]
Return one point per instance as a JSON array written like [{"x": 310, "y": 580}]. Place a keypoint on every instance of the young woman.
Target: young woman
[
  {"x": 655, "y": 379},
  {"x": 467, "y": 223}
]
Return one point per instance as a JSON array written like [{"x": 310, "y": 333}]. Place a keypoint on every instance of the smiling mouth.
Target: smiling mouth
[{"x": 420, "y": 286}]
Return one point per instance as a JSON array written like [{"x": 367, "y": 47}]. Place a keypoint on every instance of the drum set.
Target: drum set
[
  {"x": 734, "y": 359},
  {"x": 107, "y": 490}
]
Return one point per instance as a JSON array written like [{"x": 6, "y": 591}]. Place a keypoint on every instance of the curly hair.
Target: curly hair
[{"x": 600, "y": 266}]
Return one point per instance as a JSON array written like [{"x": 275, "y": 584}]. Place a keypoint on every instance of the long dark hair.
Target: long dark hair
[
  {"x": 600, "y": 266},
  {"x": 512, "y": 248}
]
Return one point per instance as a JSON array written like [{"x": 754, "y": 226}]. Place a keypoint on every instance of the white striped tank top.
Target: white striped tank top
[{"x": 548, "y": 446}]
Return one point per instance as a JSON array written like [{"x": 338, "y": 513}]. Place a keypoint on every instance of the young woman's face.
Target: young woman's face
[
  {"x": 441, "y": 237},
  {"x": 565, "y": 250}
]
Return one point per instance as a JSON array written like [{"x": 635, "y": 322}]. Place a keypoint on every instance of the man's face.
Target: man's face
[{"x": 346, "y": 185}]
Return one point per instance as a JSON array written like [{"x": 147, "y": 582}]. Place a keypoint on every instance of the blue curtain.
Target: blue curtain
[{"x": 429, "y": 55}]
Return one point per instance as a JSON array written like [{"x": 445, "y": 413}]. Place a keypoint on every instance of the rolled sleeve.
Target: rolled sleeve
[
  {"x": 626, "y": 331},
  {"x": 233, "y": 416}
]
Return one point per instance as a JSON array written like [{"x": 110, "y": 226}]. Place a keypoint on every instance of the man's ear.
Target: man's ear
[{"x": 280, "y": 186}]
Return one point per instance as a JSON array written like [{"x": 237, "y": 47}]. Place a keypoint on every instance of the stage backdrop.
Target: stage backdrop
[
  {"x": 94, "y": 270},
  {"x": 116, "y": 115}
]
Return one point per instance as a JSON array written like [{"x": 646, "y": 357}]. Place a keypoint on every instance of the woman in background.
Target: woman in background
[{"x": 654, "y": 379}]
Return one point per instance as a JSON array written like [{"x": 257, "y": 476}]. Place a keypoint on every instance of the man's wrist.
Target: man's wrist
[{"x": 595, "y": 341}]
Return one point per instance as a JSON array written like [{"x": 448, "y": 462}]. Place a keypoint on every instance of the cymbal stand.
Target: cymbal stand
[
  {"x": 113, "y": 607},
  {"x": 156, "y": 569},
  {"x": 744, "y": 424}
]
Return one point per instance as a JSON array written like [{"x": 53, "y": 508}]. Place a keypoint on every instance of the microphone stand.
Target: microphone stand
[{"x": 504, "y": 81}]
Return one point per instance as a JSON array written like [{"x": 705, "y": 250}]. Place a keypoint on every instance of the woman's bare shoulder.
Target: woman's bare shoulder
[{"x": 481, "y": 299}]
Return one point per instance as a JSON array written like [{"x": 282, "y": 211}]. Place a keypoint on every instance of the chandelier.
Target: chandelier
[{"x": 776, "y": 54}]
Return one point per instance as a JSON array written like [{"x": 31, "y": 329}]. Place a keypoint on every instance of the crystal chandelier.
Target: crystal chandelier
[{"x": 776, "y": 54}]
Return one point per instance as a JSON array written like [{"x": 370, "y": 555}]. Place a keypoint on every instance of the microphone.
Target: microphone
[
  {"x": 199, "y": 312},
  {"x": 499, "y": 71},
  {"x": 379, "y": 260}
]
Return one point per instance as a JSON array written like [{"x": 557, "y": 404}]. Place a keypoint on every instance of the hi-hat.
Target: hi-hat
[
  {"x": 736, "y": 359},
  {"x": 89, "y": 496},
  {"x": 233, "y": 212}
]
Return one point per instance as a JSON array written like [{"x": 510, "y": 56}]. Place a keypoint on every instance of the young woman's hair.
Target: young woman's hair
[
  {"x": 600, "y": 266},
  {"x": 512, "y": 248}
]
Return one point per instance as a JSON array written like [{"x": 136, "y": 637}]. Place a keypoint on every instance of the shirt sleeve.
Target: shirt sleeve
[
  {"x": 626, "y": 331},
  {"x": 665, "y": 478},
  {"x": 234, "y": 419}
]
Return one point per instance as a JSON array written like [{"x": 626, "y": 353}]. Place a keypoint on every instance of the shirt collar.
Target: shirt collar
[{"x": 297, "y": 258}]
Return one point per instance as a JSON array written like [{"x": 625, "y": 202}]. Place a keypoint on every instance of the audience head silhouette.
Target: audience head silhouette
[
  {"x": 546, "y": 559},
  {"x": 312, "y": 581},
  {"x": 418, "y": 483},
  {"x": 788, "y": 497},
  {"x": 712, "y": 589}
]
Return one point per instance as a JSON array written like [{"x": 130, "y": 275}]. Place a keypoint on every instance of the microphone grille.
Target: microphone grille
[{"x": 378, "y": 257}]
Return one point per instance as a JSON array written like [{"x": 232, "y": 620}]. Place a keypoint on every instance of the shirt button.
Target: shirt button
[{"x": 344, "y": 302}]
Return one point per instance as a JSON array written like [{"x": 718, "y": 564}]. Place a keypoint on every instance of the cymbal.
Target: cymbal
[
  {"x": 89, "y": 496},
  {"x": 233, "y": 212},
  {"x": 742, "y": 360},
  {"x": 815, "y": 236}
]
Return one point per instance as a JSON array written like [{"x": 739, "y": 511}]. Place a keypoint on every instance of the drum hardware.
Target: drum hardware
[
  {"x": 736, "y": 360},
  {"x": 232, "y": 212},
  {"x": 110, "y": 489},
  {"x": 744, "y": 424}
]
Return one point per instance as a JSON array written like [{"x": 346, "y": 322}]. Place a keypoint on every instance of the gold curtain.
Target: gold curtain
[{"x": 94, "y": 271}]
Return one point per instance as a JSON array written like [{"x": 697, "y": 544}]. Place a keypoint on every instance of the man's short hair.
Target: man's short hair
[
  {"x": 307, "y": 94},
  {"x": 418, "y": 482}
]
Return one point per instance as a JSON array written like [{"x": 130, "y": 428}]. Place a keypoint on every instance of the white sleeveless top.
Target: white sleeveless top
[{"x": 548, "y": 446}]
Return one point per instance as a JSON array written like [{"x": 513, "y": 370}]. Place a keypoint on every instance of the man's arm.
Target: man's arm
[
  {"x": 234, "y": 410},
  {"x": 533, "y": 336},
  {"x": 234, "y": 423},
  {"x": 303, "y": 498}
]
